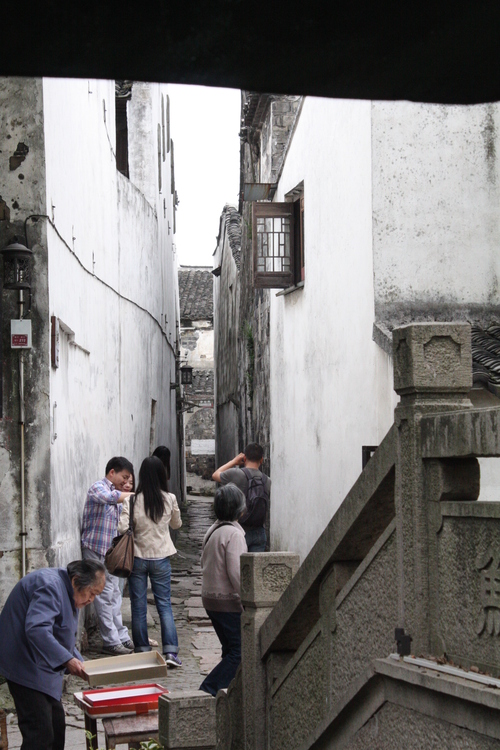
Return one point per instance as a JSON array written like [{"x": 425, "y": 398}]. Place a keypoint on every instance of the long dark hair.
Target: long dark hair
[
  {"x": 163, "y": 453},
  {"x": 152, "y": 482}
]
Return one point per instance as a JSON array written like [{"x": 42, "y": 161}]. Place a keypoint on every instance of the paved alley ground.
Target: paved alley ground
[{"x": 199, "y": 648}]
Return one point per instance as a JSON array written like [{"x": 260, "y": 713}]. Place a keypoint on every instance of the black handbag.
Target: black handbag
[{"x": 119, "y": 559}]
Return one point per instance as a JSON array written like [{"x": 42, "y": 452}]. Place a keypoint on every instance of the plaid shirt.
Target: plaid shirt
[{"x": 101, "y": 514}]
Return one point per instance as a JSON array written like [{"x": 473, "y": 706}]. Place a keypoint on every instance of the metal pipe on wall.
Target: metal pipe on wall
[{"x": 23, "y": 533}]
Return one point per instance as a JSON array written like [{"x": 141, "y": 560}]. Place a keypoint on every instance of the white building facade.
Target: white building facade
[
  {"x": 105, "y": 309},
  {"x": 400, "y": 223}
]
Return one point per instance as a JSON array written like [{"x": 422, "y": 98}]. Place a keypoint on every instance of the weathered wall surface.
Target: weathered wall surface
[
  {"x": 112, "y": 284},
  {"x": 226, "y": 331},
  {"x": 112, "y": 388},
  {"x": 253, "y": 339},
  {"x": 331, "y": 385},
  {"x": 22, "y": 191},
  {"x": 436, "y": 226}
]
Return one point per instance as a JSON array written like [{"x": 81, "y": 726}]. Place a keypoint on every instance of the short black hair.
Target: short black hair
[
  {"x": 254, "y": 452},
  {"x": 118, "y": 463},
  {"x": 84, "y": 573},
  {"x": 229, "y": 502}
]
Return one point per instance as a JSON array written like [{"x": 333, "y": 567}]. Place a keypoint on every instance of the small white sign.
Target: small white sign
[
  {"x": 203, "y": 447},
  {"x": 20, "y": 334}
]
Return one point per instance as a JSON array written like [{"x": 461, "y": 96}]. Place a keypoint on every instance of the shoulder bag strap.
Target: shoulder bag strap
[
  {"x": 224, "y": 523},
  {"x": 131, "y": 514}
]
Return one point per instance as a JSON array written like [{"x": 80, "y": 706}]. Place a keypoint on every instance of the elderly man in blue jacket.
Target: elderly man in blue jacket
[{"x": 38, "y": 628}]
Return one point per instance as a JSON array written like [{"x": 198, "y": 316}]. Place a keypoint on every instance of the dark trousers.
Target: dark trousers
[
  {"x": 227, "y": 625},
  {"x": 40, "y": 717}
]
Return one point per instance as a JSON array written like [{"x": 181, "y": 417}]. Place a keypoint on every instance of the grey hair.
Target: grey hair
[
  {"x": 84, "y": 573},
  {"x": 229, "y": 502}
]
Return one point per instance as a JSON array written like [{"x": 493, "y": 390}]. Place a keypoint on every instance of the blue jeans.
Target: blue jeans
[
  {"x": 256, "y": 539},
  {"x": 159, "y": 572},
  {"x": 227, "y": 625}
]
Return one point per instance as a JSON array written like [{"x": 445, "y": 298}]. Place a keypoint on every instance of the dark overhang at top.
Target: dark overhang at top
[{"x": 434, "y": 51}]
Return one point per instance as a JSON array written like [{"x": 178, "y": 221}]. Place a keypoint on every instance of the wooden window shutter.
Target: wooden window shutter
[{"x": 272, "y": 240}]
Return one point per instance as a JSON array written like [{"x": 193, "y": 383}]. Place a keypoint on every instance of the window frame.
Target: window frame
[{"x": 272, "y": 279}]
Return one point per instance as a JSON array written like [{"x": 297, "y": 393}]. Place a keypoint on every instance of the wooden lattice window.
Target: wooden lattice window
[{"x": 273, "y": 245}]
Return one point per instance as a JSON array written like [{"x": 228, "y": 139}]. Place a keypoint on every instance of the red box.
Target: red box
[
  {"x": 19, "y": 339},
  {"x": 131, "y": 699}
]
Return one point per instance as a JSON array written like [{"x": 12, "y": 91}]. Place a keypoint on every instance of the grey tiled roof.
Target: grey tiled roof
[
  {"x": 486, "y": 355},
  {"x": 233, "y": 228},
  {"x": 203, "y": 384},
  {"x": 196, "y": 293}
]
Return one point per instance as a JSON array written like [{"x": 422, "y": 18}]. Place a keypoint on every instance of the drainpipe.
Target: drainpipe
[{"x": 23, "y": 533}]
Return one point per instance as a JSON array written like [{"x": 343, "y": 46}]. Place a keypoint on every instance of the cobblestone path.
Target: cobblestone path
[{"x": 199, "y": 648}]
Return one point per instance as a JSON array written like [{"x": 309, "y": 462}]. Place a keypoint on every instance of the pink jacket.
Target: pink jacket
[{"x": 220, "y": 564}]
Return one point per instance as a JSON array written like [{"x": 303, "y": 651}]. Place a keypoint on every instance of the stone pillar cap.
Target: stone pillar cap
[
  {"x": 265, "y": 575},
  {"x": 432, "y": 358}
]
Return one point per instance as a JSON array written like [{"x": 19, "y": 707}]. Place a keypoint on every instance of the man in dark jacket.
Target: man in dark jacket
[
  {"x": 38, "y": 628},
  {"x": 240, "y": 471}
]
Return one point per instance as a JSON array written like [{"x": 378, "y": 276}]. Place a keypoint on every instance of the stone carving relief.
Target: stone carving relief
[
  {"x": 276, "y": 577},
  {"x": 441, "y": 355},
  {"x": 489, "y": 566},
  {"x": 245, "y": 578}
]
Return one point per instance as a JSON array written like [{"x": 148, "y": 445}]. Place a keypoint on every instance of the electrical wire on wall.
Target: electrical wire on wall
[{"x": 91, "y": 273}]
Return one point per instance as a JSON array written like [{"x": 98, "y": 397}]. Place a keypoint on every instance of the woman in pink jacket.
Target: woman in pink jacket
[{"x": 220, "y": 561}]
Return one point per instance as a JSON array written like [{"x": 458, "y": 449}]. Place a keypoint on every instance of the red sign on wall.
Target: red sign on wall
[{"x": 19, "y": 339}]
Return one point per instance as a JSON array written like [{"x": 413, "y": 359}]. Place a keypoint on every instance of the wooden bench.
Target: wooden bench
[{"x": 130, "y": 730}]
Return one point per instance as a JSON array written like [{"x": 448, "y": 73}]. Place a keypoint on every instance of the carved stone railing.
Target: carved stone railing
[{"x": 410, "y": 548}]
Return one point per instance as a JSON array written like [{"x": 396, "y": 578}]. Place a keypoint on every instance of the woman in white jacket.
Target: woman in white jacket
[{"x": 154, "y": 511}]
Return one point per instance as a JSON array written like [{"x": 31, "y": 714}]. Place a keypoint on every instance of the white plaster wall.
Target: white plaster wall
[
  {"x": 436, "y": 224},
  {"x": 202, "y": 356},
  {"x": 121, "y": 260},
  {"x": 331, "y": 385}
]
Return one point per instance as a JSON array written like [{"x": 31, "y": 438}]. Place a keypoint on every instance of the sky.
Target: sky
[{"x": 204, "y": 125}]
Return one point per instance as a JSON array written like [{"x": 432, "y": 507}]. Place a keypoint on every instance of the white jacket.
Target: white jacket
[{"x": 152, "y": 540}]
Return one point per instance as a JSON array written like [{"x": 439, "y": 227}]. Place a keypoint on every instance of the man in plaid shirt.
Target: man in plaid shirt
[{"x": 101, "y": 514}]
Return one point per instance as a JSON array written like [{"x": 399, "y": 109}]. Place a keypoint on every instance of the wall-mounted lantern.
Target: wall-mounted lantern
[
  {"x": 186, "y": 375},
  {"x": 16, "y": 266}
]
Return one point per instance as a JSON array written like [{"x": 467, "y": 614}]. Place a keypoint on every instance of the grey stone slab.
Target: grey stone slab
[
  {"x": 471, "y": 432},
  {"x": 194, "y": 601},
  {"x": 197, "y": 613}
]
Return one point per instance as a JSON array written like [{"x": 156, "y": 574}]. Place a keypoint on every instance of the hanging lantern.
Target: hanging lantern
[
  {"x": 16, "y": 266},
  {"x": 186, "y": 375}
]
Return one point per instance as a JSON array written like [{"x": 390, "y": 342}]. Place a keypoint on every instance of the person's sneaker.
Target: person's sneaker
[
  {"x": 172, "y": 660},
  {"x": 128, "y": 644},
  {"x": 117, "y": 650}
]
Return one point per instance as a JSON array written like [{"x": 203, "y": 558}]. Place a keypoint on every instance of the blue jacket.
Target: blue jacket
[{"x": 38, "y": 627}]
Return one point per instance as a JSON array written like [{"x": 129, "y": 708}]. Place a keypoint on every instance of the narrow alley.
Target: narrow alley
[{"x": 199, "y": 648}]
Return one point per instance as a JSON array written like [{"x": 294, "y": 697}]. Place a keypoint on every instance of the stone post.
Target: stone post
[
  {"x": 187, "y": 720},
  {"x": 264, "y": 577},
  {"x": 432, "y": 373}
]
